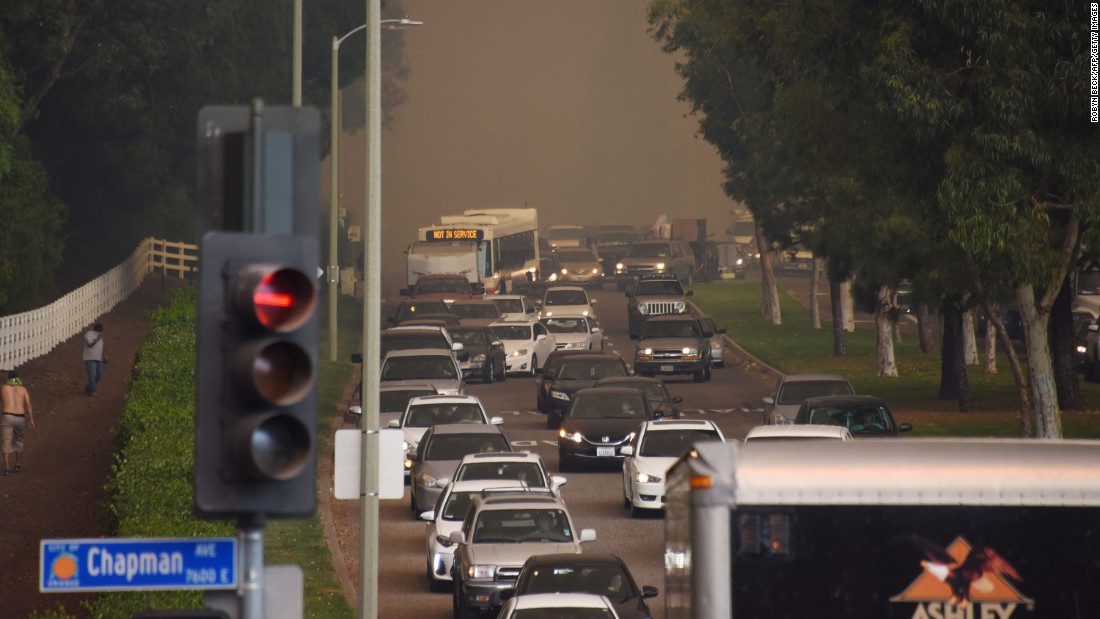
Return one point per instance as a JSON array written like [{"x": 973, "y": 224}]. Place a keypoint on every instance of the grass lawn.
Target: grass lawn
[{"x": 796, "y": 347}]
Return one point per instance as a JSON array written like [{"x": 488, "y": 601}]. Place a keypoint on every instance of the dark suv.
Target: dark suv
[
  {"x": 654, "y": 295},
  {"x": 673, "y": 345}
]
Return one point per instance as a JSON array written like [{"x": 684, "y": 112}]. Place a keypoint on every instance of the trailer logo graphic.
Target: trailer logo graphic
[{"x": 961, "y": 577}]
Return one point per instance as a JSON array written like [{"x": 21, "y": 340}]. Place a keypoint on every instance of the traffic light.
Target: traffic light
[{"x": 256, "y": 409}]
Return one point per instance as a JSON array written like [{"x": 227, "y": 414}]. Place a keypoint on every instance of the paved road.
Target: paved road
[{"x": 594, "y": 498}]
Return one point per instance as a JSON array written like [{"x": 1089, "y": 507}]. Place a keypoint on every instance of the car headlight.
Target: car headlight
[
  {"x": 576, "y": 437},
  {"x": 572, "y": 345},
  {"x": 680, "y": 307},
  {"x": 427, "y": 481},
  {"x": 553, "y": 277},
  {"x": 560, "y": 395},
  {"x": 565, "y": 271},
  {"x": 660, "y": 266},
  {"x": 648, "y": 352},
  {"x": 1082, "y": 350},
  {"x": 619, "y": 266},
  {"x": 481, "y": 571},
  {"x": 689, "y": 350},
  {"x": 595, "y": 271},
  {"x": 647, "y": 479},
  {"x": 522, "y": 352}
]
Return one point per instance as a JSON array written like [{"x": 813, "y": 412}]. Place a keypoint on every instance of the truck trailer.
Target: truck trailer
[{"x": 875, "y": 529}]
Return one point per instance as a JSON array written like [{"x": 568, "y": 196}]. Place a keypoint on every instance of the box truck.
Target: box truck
[{"x": 875, "y": 529}]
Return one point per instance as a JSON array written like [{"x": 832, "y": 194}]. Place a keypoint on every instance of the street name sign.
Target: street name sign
[{"x": 78, "y": 565}]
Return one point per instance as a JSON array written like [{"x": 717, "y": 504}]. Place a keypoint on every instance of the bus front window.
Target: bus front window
[{"x": 484, "y": 265}]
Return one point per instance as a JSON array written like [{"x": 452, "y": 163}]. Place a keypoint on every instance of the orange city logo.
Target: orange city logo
[
  {"x": 64, "y": 567},
  {"x": 962, "y": 582}
]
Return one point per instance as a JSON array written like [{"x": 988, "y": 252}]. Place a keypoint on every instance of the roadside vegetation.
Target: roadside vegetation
[
  {"x": 796, "y": 347},
  {"x": 151, "y": 489}
]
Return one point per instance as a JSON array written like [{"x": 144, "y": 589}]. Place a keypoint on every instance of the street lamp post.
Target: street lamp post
[{"x": 334, "y": 160}]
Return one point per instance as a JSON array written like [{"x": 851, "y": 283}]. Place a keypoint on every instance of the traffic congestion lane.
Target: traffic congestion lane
[{"x": 594, "y": 498}]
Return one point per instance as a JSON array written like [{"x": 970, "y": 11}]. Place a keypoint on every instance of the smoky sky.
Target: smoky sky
[{"x": 568, "y": 106}]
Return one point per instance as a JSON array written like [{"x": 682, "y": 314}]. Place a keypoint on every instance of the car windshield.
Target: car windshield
[
  {"x": 398, "y": 401},
  {"x": 649, "y": 250},
  {"x": 583, "y": 369},
  {"x": 458, "y": 446},
  {"x": 566, "y": 325},
  {"x": 427, "y": 415},
  {"x": 411, "y": 310},
  {"x": 423, "y": 368},
  {"x": 566, "y": 297},
  {"x": 475, "y": 310},
  {"x": 796, "y": 392},
  {"x": 470, "y": 338},
  {"x": 512, "y": 332},
  {"x": 608, "y": 406},
  {"x": 526, "y": 473},
  {"x": 670, "y": 328},
  {"x": 443, "y": 284},
  {"x": 509, "y": 306},
  {"x": 672, "y": 443},
  {"x": 521, "y": 525},
  {"x": 457, "y": 504},
  {"x": 413, "y": 340},
  {"x": 563, "y": 612},
  {"x": 858, "y": 419},
  {"x": 598, "y": 578},
  {"x": 574, "y": 255},
  {"x": 659, "y": 288}
]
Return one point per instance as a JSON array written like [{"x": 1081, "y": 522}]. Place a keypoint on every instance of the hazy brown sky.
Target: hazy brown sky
[{"x": 568, "y": 106}]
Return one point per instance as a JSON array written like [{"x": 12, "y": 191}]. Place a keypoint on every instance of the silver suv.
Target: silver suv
[
  {"x": 656, "y": 256},
  {"x": 500, "y": 531}
]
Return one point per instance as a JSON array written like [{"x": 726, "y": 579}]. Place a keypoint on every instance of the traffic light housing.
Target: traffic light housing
[{"x": 256, "y": 407}]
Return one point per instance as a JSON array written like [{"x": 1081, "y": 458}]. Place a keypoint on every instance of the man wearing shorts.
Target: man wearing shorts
[{"x": 18, "y": 416}]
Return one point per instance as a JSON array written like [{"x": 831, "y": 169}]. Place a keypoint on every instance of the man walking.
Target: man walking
[
  {"x": 94, "y": 358},
  {"x": 18, "y": 416}
]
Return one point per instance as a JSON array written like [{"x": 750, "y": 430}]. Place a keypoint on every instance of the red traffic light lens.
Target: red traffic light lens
[{"x": 283, "y": 299}]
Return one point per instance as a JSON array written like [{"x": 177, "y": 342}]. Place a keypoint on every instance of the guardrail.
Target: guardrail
[{"x": 32, "y": 334}]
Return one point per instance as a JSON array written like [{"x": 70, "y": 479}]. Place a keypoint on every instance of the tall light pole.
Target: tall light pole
[
  {"x": 372, "y": 314},
  {"x": 296, "y": 70},
  {"x": 335, "y": 118}
]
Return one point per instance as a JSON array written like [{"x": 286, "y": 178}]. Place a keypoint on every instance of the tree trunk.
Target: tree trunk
[
  {"x": 1061, "y": 350},
  {"x": 839, "y": 349},
  {"x": 815, "y": 281},
  {"x": 885, "y": 320},
  {"x": 926, "y": 328},
  {"x": 847, "y": 305},
  {"x": 970, "y": 342},
  {"x": 1044, "y": 395},
  {"x": 954, "y": 384},
  {"x": 990, "y": 347},
  {"x": 769, "y": 302}
]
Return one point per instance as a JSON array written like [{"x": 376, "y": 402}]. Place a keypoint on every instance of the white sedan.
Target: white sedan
[
  {"x": 575, "y": 332},
  {"x": 566, "y": 301},
  {"x": 447, "y": 517},
  {"x": 527, "y": 344},
  {"x": 655, "y": 446},
  {"x": 424, "y": 412}
]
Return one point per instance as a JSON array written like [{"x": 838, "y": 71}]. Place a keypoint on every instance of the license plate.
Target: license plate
[
  {"x": 605, "y": 452},
  {"x": 666, "y": 368}
]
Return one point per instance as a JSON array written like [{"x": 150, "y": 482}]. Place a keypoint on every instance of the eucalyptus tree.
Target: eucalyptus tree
[{"x": 1002, "y": 82}]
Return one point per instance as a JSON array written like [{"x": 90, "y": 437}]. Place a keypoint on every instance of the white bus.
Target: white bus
[{"x": 494, "y": 242}]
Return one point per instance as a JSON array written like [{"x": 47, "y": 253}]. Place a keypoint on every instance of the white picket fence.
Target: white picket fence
[{"x": 32, "y": 334}]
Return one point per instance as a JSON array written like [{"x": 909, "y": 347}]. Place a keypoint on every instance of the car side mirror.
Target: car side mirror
[
  {"x": 457, "y": 537},
  {"x": 905, "y": 427},
  {"x": 635, "y": 336},
  {"x": 496, "y": 344},
  {"x": 496, "y": 421},
  {"x": 720, "y": 330},
  {"x": 540, "y": 337},
  {"x": 658, "y": 414},
  {"x": 391, "y": 320},
  {"x": 478, "y": 287},
  {"x": 649, "y": 591},
  {"x": 592, "y": 301},
  {"x": 769, "y": 401},
  {"x": 394, "y": 423},
  {"x": 547, "y": 374},
  {"x": 588, "y": 535},
  {"x": 627, "y": 450},
  {"x": 557, "y": 481},
  {"x": 405, "y": 292},
  {"x": 428, "y": 515},
  {"x": 356, "y": 410},
  {"x": 1094, "y": 328},
  {"x": 507, "y": 594},
  {"x": 595, "y": 330}
]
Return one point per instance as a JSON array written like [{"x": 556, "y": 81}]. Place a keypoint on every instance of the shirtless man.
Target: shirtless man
[{"x": 18, "y": 416}]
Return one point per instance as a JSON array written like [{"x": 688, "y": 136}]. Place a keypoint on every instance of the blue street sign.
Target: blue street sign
[{"x": 137, "y": 564}]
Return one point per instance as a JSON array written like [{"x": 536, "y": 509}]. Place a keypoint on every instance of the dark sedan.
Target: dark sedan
[
  {"x": 659, "y": 398},
  {"x": 576, "y": 372},
  {"x": 599, "y": 422},
  {"x": 863, "y": 415},
  {"x": 485, "y": 353},
  {"x": 601, "y": 574}
]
